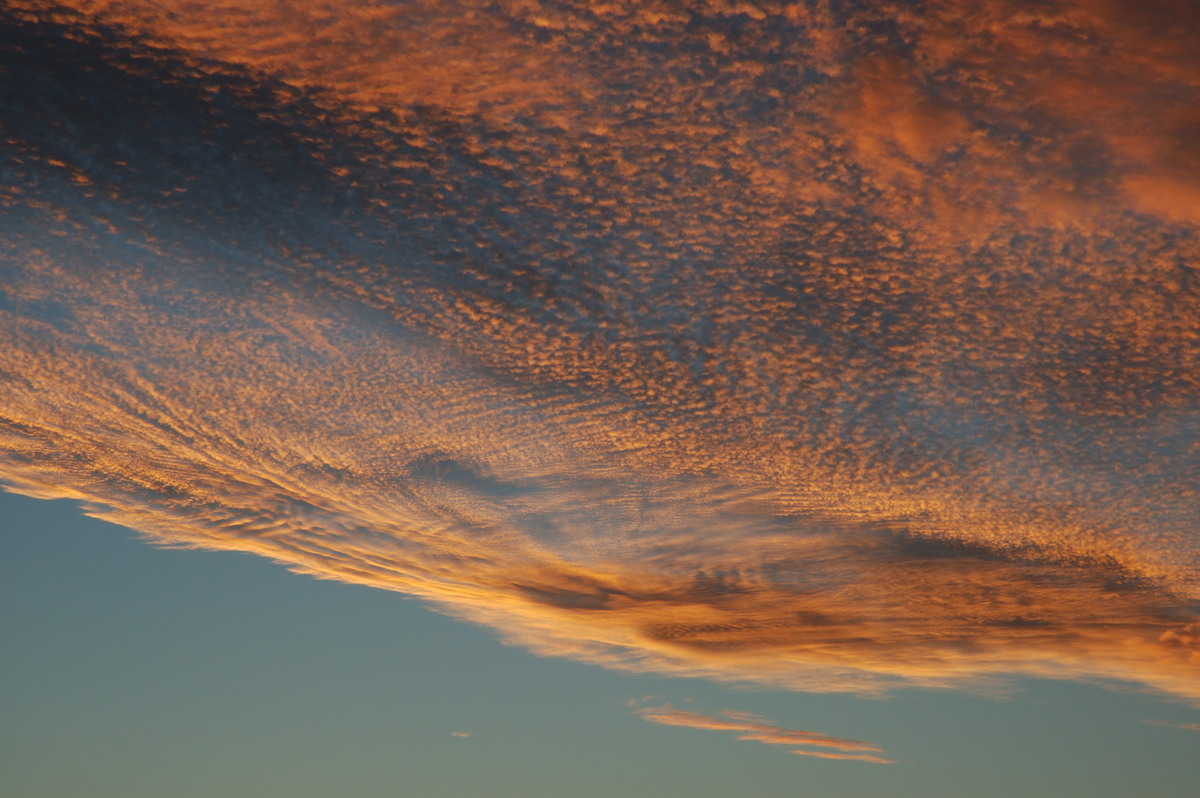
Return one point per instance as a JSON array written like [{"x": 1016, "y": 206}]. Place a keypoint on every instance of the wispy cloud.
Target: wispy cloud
[
  {"x": 1173, "y": 725},
  {"x": 715, "y": 344},
  {"x": 758, "y": 729},
  {"x": 461, "y": 734}
]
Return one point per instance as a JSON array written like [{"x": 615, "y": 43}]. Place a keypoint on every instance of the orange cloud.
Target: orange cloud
[
  {"x": 372, "y": 56},
  {"x": 757, "y": 345},
  {"x": 763, "y": 731},
  {"x": 853, "y": 757},
  {"x": 1169, "y": 724}
]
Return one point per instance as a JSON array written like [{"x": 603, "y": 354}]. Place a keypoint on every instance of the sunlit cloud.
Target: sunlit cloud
[
  {"x": 1173, "y": 725},
  {"x": 831, "y": 346},
  {"x": 461, "y": 734},
  {"x": 758, "y": 729}
]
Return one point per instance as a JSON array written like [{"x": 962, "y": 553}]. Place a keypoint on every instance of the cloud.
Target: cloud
[
  {"x": 843, "y": 348},
  {"x": 462, "y": 734},
  {"x": 752, "y": 727},
  {"x": 1172, "y": 725}
]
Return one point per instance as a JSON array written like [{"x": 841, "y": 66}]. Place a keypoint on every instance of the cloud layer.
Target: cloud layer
[{"x": 838, "y": 346}]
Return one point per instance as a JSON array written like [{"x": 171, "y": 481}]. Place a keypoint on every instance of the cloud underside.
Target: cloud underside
[{"x": 830, "y": 346}]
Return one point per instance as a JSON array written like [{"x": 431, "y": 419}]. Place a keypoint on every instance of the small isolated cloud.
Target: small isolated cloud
[
  {"x": 1172, "y": 725},
  {"x": 757, "y": 728},
  {"x": 462, "y": 734}
]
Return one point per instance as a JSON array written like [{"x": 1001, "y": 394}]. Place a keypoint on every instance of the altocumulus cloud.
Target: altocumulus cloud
[{"x": 836, "y": 346}]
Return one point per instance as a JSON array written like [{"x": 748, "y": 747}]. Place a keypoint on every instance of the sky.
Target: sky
[{"x": 801, "y": 389}]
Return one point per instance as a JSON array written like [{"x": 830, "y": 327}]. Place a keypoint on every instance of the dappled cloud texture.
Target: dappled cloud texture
[{"x": 835, "y": 346}]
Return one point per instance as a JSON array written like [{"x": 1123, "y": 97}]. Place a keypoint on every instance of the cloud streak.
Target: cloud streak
[
  {"x": 1171, "y": 725},
  {"x": 828, "y": 346},
  {"x": 752, "y": 727}
]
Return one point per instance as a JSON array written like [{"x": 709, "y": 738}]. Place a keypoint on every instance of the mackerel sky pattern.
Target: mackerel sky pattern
[{"x": 835, "y": 346}]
